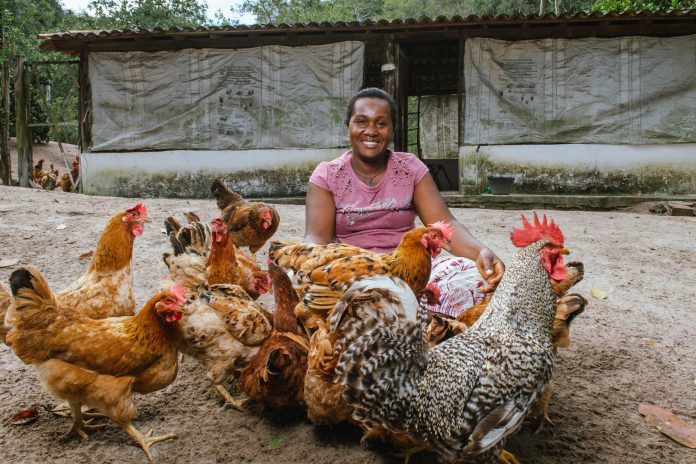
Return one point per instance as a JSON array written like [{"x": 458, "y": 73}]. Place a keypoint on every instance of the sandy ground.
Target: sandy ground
[{"x": 636, "y": 346}]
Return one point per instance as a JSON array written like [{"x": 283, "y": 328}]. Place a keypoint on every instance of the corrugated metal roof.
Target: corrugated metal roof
[{"x": 51, "y": 41}]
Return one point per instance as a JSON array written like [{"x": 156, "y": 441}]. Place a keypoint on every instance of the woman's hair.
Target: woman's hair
[{"x": 372, "y": 92}]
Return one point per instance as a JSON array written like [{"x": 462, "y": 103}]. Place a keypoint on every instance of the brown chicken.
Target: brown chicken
[
  {"x": 195, "y": 244},
  {"x": 99, "y": 363},
  {"x": 106, "y": 288},
  {"x": 38, "y": 172},
  {"x": 275, "y": 376},
  {"x": 251, "y": 223},
  {"x": 319, "y": 282},
  {"x": 5, "y": 302},
  {"x": 64, "y": 181}
]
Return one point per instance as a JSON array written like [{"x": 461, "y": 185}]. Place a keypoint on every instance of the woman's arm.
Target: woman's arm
[
  {"x": 320, "y": 216},
  {"x": 432, "y": 208}
]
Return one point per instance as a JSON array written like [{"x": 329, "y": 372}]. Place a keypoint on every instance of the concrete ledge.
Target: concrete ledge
[{"x": 570, "y": 202}]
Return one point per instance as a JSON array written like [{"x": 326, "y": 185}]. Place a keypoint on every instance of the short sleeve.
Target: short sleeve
[
  {"x": 418, "y": 168},
  {"x": 320, "y": 176}
]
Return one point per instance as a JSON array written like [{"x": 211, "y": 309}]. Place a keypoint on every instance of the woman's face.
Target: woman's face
[{"x": 370, "y": 128}]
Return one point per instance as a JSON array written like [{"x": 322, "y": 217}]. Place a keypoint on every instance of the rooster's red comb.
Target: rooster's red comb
[
  {"x": 179, "y": 292},
  {"x": 445, "y": 228},
  {"x": 140, "y": 209},
  {"x": 529, "y": 233}
]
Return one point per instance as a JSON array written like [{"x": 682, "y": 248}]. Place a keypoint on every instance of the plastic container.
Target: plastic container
[{"x": 500, "y": 185}]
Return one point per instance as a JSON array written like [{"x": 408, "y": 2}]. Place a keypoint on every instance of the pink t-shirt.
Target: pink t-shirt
[{"x": 374, "y": 217}]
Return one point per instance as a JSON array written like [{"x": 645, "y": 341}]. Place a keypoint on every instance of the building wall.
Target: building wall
[
  {"x": 582, "y": 168},
  {"x": 188, "y": 174}
]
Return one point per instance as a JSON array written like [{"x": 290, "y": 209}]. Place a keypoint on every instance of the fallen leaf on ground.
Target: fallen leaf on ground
[
  {"x": 86, "y": 255},
  {"x": 651, "y": 341},
  {"x": 8, "y": 262},
  {"x": 164, "y": 231},
  {"x": 61, "y": 227},
  {"x": 24, "y": 417},
  {"x": 598, "y": 293},
  {"x": 55, "y": 200},
  {"x": 670, "y": 424}
]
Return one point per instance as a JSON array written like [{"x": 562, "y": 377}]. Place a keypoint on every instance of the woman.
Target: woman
[{"x": 370, "y": 196}]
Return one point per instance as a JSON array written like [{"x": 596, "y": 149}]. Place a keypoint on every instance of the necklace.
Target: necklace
[{"x": 369, "y": 179}]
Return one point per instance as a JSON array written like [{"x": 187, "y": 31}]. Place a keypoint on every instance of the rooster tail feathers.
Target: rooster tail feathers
[
  {"x": 194, "y": 238},
  {"x": 30, "y": 289},
  {"x": 223, "y": 196},
  {"x": 498, "y": 424}
]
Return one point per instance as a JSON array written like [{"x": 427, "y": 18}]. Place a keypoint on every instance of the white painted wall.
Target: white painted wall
[{"x": 103, "y": 173}]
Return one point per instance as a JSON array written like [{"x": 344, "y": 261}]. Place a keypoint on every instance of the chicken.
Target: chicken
[
  {"x": 319, "y": 281},
  {"x": 368, "y": 302},
  {"x": 39, "y": 172},
  {"x": 5, "y": 302},
  {"x": 196, "y": 244},
  {"x": 275, "y": 376},
  {"x": 106, "y": 288},
  {"x": 463, "y": 397},
  {"x": 223, "y": 329},
  {"x": 251, "y": 223},
  {"x": 64, "y": 181},
  {"x": 96, "y": 362}
]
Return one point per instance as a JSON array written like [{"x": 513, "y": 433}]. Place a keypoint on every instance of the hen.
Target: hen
[
  {"x": 463, "y": 397},
  {"x": 251, "y": 223},
  {"x": 275, "y": 376},
  {"x": 64, "y": 181},
  {"x": 368, "y": 302},
  {"x": 99, "y": 363},
  {"x": 222, "y": 327},
  {"x": 322, "y": 270},
  {"x": 204, "y": 256},
  {"x": 106, "y": 288},
  {"x": 5, "y": 302}
]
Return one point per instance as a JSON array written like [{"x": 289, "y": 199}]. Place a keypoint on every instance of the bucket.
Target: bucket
[{"x": 500, "y": 185}]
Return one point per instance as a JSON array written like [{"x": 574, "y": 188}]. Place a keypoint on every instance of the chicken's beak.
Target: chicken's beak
[
  {"x": 565, "y": 250},
  {"x": 445, "y": 246},
  {"x": 145, "y": 219}
]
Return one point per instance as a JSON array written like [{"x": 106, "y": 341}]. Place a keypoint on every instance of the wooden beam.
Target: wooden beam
[{"x": 24, "y": 158}]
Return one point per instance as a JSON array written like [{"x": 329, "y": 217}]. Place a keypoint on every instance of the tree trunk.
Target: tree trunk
[
  {"x": 24, "y": 161},
  {"x": 5, "y": 160}
]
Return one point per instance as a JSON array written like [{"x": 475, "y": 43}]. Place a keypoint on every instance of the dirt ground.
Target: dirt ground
[{"x": 636, "y": 346}]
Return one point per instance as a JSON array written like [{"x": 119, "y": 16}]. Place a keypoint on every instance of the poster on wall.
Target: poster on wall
[
  {"x": 625, "y": 90},
  {"x": 219, "y": 99}
]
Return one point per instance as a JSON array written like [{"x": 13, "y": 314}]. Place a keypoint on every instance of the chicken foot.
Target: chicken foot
[
  {"x": 79, "y": 426},
  {"x": 507, "y": 457},
  {"x": 237, "y": 404},
  {"x": 145, "y": 441}
]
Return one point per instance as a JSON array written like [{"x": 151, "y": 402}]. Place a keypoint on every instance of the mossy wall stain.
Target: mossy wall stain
[
  {"x": 530, "y": 178},
  {"x": 277, "y": 182}
]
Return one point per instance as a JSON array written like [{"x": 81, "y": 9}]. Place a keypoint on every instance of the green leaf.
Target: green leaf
[{"x": 274, "y": 442}]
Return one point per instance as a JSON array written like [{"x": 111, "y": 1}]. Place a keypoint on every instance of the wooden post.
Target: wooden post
[
  {"x": 389, "y": 76},
  {"x": 24, "y": 161},
  {"x": 5, "y": 160},
  {"x": 461, "y": 104}
]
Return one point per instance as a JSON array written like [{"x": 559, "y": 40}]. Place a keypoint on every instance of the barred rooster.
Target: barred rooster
[{"x": 465, "y": 396}]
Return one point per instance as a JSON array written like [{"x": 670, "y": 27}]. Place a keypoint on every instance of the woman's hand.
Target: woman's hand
[{"x": 491, "y": 268}]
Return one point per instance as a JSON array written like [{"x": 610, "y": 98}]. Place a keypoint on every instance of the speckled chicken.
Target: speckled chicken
[
  {"x": 368, "y": 302},
  {"x": 251, "y": 223},
  {"x": 222, "y": 326},
  {"x": 321, "y": 271},
  {"x": 463, "y": 397}
]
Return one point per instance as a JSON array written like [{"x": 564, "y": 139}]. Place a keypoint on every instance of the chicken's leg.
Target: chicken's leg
[
  {"x": 79, "y": 426},
  {"x": 237, "y": 404},
  {"x": 507, "y": 457},
  {"x": 144, "y": 441}
]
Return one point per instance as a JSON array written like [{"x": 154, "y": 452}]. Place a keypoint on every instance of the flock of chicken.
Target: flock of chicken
[
  {"x": 50, "y": 179},
  {"x": 349, "y": 339}
]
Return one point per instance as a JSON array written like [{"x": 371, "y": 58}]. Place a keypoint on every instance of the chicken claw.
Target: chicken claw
[
  {"x": 147, "y": 440},
  {"x": 80, "y": 426},
  {"x": 237, "y": 404},
  {"x": 507, "y": 457}
]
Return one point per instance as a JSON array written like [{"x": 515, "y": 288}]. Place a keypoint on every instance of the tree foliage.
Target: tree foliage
[
  {"x": 148, "y": 14},
  {"x": 617, "y": 6}
]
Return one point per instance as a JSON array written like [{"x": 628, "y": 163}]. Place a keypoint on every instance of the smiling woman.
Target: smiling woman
[{"x": 370, "y": 196}]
